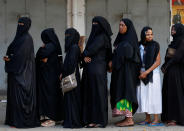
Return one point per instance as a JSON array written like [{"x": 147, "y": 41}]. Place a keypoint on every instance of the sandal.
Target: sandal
[
  {"x": 48, "y": 123},
  {"x": 98, "y": 126},
  {"x": 172, "y": 123},
  {"x": 90, "y": 126},
  {"x": 155, "y": 124},
  {"x": 124, "y": 124},
  {"x": 143, "y": 123}
]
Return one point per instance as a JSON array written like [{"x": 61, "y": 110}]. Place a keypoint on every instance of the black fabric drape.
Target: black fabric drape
[
  {"x": 173, "y": 88},
  {"x": 21, "y": 110},
  {"x": 126, "y": 67},
  {"x": 50, "y": 97},
  {"x": 94, "y": 77},
  {"x": 72, "y": 99},
  {"x": 173, "y": 84}
]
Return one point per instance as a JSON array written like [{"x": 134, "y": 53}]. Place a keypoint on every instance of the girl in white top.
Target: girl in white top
[{"x": 149, "y": 91}]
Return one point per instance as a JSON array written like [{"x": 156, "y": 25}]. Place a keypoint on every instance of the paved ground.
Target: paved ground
[{"x": 110, "y": 127}]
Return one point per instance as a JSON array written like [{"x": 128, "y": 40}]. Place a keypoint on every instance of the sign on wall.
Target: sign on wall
[{"x": 177, "y": 11}]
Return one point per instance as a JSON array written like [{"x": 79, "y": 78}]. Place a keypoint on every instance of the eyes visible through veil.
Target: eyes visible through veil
[{"x": 22, "y": 24}]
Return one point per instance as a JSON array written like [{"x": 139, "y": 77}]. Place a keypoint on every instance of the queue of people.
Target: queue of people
[{"x": 35, "y": 97}]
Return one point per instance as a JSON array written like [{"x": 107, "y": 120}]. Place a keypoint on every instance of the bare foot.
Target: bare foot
[
  {"x": 127, "y": 122},
  {"x": 171, "y": 123},
  {"x": 119, "y": 121}
]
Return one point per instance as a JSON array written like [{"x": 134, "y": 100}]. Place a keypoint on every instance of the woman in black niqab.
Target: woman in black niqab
[
  {"x": 72, "y": 99},
  {"x": 125, "y": 72},
  {"x": 21, "y": 111},
  {"x": 48, "y": 68},
  {"x": 173, "y": 84},
  {"x": 96, "y": 56}
]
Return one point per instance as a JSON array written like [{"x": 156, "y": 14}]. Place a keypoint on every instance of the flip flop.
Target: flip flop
[
  {"x": 125, "y": 125},
  {"x": 98, "y": 126},
  {"x": 48, "y": 123},
  {"x": 90, "y": 126},
  {"x": 171, "y": 124},
  {"x": 143, "y": 123},
  {"x": 155, "y": 124}
]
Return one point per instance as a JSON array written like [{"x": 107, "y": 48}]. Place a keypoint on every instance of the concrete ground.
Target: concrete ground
[{"x": 110, "y": 127}]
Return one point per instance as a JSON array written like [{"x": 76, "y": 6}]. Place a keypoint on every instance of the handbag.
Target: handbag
[{"x": 68, "y": 83}]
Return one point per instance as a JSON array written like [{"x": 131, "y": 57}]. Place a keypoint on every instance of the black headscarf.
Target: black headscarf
[
  {"x": 72, "y": 37},
  {"x": 151, "y": 50},
  {"x": 103, "y": 26},
  {"x": 49, "y": 36},
  {"x": 179, "y": 28},
  {"x": 131, "y": 37},
  {"x": 143, "y": 35},
  {"x": 21, "y": 30}
]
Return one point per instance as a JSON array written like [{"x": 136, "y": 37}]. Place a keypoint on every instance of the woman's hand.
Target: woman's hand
[
  {"x": 143, "y": 75},
  {"x": 60, "y": 77},
  {"x": 110, "y": 66},
  {"x": 44, "y": 60},
  {"x": 43, "y": 46},
  {"x": 5, "y": 58},
  {"x": 87, "y": 59}
]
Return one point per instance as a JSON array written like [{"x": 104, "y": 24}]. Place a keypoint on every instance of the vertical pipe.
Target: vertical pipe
[
  {"x": 147, "y": 14},
  {"x": 5, "y": 22},
  {"x": 45, "y": 13}
]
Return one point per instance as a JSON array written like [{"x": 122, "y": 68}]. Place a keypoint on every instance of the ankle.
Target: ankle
[{"x": 129, "y": 120}]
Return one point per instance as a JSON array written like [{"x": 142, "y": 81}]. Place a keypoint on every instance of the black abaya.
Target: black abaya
[
  {"x": 21, "y": 111},
  {"x": 72, "y": 99},
  {"x": 50, "y": 96},
  {"x": 173, "y": 82},
  {"x": 94, "y": 78},
  {"x": 126, "y": 66}
]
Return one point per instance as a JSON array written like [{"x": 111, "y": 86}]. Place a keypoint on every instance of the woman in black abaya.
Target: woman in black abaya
[
  {"x": 48, "y": 67},
  {"x": 96, "y": 56},
  {"x": 72, "y": 99},
  {"x": 125, "y": 71},
  {"x": 21, "y": 111},
  {"x": 173, "y": 82}
]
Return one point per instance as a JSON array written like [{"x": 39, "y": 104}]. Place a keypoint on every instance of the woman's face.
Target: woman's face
[
  {"x": 149, "y": 35},
  {"x": 173, "y": 31},
  {"x": 122, "y": 28}
]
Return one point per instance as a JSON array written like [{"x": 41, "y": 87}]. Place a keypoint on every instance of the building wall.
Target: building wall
[
  {"x": 154, "y": 13},
  {"x": 43, "y": 13},
  {"x": 53, "y": 13}
]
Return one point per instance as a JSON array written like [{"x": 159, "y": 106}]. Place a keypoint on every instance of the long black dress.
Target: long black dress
[
  {"x": 173, "y": 82},
  {"x": 72, "y": 99},
  {"x": 94, "y": 78},
  {"x": 126, "y": 63},
  {"x": 21, "y": 111},
  {"x": 50, "y": 97}
]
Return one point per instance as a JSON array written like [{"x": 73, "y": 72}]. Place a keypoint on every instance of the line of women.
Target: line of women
[{"x": 34, "y": 96}]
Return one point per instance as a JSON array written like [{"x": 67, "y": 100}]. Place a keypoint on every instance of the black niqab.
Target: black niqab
[
  {"x": 71, "y": 37},
  {"x": 102, "y": 27},
  {"x": 21, "y": 30}
]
